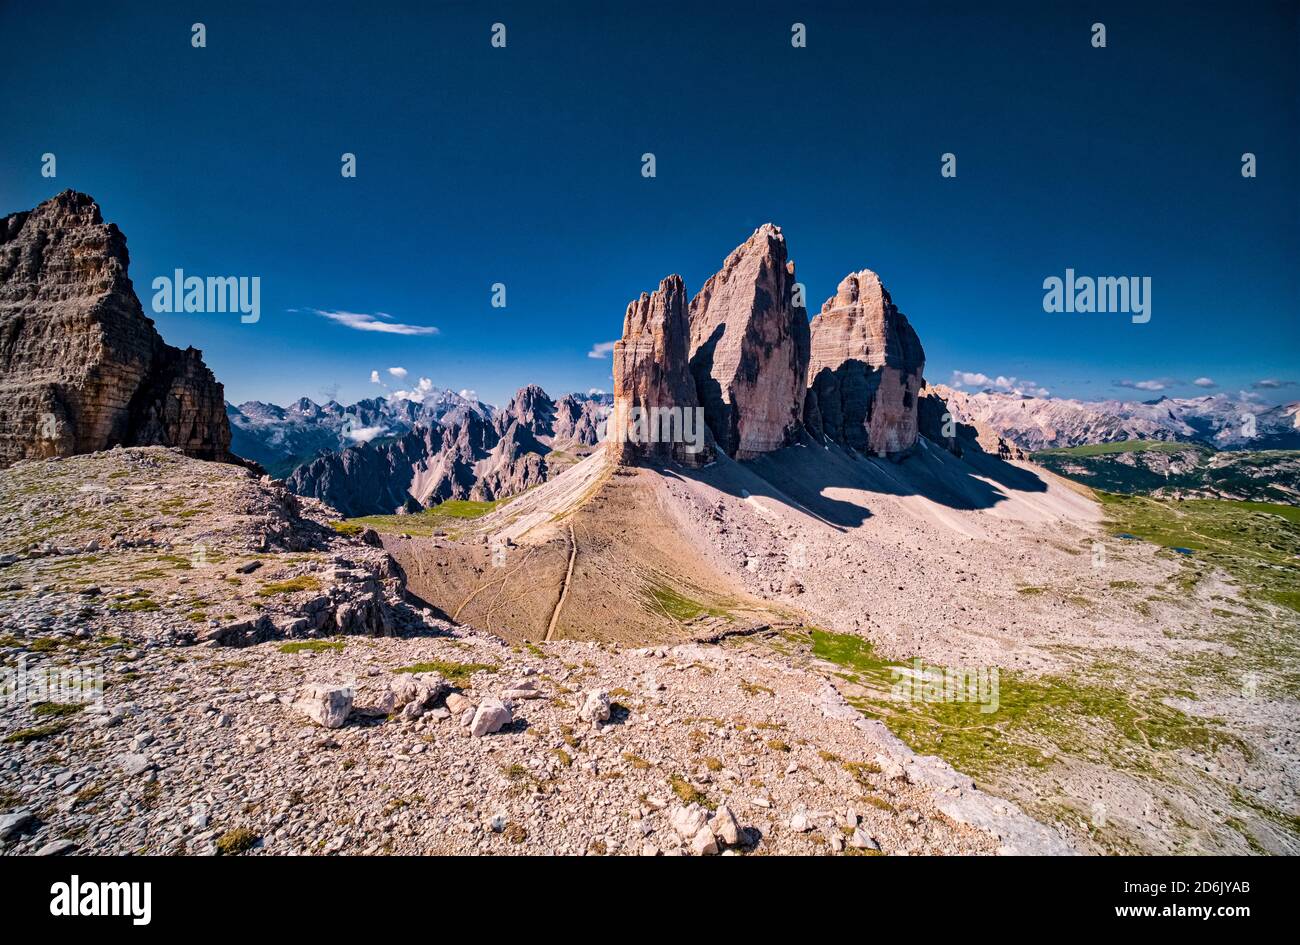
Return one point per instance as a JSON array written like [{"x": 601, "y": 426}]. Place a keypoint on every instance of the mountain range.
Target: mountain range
[{"x": 1221, "y": 421}]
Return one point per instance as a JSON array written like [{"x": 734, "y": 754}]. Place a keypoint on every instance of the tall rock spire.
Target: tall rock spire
[
  {"x": 82, "y": 368},
  {"x": 656, "y": 413},
  {"x": 864, "y": 373},
  {"x": 749, "y": 348}
]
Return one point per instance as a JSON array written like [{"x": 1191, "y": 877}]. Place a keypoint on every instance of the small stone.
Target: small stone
[
  {"x": 688, "y": 821},
  {"x": 57, "y": 848},
  {"x": 595, "y": 708},
  {"x": 861, "y": 841},
  {"x": 458, "y": 703},
  {"x": 11, "y": 825},
  {"x": 489, "y": 717},
  {"x": 133, "y": 765},
  {"x": 725, "y": 826},
  {"x": 704, "y": 843},
  {"x": 800, "y": 823}
]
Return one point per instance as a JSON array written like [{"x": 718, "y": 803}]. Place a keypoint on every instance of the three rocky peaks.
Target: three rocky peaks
[
  {"x": 743, "y": 352},
  {"x": 84, "y": 369}
]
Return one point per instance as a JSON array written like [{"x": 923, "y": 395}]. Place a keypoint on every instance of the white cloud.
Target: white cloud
[
  {"x": 1205, "y": 382},
  {"x": 374, "y": 377},
  {"x": 595, "y": 392},
  {"x": 364, "y": 434},
  {"x": 398, "y": 372},
  {"x": 1271, "y": 383},
  {"x": 601, "y": 349},
  {"x": 1151, "y": 385},
  {"x": 1010, "y": 385},
  {"x": 469, "y": 394},
  {"x": 362, "y": 321},
  {"x": 417, "y": 394}
]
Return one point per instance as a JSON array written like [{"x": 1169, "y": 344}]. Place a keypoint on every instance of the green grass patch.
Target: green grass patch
[
  {"x": 1035, "y": 720},
  {"x": 23, "y": 736},
  {"x": 312, "y": 646},
  {"x": 688, "y": 794},
  {"x": 1257, "y": 543},
  {"x": 139, "y": 605},
  {"x": 57, "y": 710},
  {"x": 303, "y": 582},
  {"x": 681, "y": 608},
  {"x": 234, "y": 842},
  {"x": 458, "y": 674},
  {"x": 1124, "y": 446},
  {"x": 444, "y": 517}
]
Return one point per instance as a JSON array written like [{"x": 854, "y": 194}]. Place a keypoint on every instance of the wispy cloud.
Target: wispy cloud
[
  {"x": 1271, "y": 383},
  {"x": 398, "y": 372},
  {"x": 1010, "y": 385},
  {"x": 1156, "y": 384},
  {"x": 601, "y": 349},
  {"x": 380, "y": 322},
  {"x": 1205, "y": 382}
]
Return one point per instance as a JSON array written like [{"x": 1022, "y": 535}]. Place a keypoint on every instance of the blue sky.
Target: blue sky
[{"x": 522, "y": 166}]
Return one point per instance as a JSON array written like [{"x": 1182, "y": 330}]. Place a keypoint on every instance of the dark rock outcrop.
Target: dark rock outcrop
[
  {"x": 82, "y": 368},
  {"x": 864, "y": 372}
]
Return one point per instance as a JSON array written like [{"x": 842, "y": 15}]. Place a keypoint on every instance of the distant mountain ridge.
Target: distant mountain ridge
[
  {"x": 449, "y": 448},
  {"x": 1221, "y": 421},
  {"x": 283, "y": 438}
]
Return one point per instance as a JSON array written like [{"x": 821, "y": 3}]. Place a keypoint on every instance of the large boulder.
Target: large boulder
[
  {"x": 82, "y": 368},
  {"x": 749, "y": 348},
  {"x": 864, "y": 370},
  {"x": 326, "y": 705}
]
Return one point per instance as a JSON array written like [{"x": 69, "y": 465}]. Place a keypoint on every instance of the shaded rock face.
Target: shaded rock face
[
  {"x": 82, "y": 368},
  {"x": 749, "y": 348},
  {"x": 942, "y": 419},
  {"x": 656, "y": 412},
  {"x": 864, "y": 370}
]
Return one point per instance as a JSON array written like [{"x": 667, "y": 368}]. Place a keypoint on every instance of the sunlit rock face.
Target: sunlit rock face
[
  {"x": 82, "y": 368},
  {"x": 864, "y": 371},
  {"x": 656, "y": 412},
  {"x": 749, "y": 348}
]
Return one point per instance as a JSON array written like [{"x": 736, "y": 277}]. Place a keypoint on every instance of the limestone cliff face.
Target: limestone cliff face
[
  {"x": 864, "y": 371},
  {"x": 656, "y": 411},
  {"x": 945, "y": 418},
  {"x": 749, "y": 348},
  {"x": 82, "y": 368}
]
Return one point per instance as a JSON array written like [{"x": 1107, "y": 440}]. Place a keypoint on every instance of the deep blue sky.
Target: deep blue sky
[{"x": 522, "y": 165}]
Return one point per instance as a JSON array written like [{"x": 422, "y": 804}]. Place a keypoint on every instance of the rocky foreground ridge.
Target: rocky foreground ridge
[
  {"x": 270, "y": 687},
  {"x": 82, "y": 368}
]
